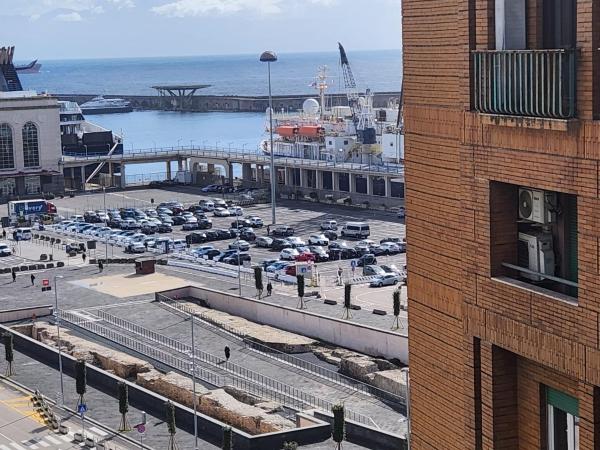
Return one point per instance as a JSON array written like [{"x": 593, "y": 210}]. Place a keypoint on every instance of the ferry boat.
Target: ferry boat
[{"x": 101, "y": 105}]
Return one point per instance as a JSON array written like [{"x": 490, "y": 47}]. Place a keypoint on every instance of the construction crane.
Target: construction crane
[{"x": 362, "y": 107}]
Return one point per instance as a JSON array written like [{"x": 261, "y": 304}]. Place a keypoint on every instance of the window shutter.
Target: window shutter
[{"x": 562, "y": 401}]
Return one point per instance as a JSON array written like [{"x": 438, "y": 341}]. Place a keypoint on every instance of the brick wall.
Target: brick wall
[{"x": 480, "y": 347}]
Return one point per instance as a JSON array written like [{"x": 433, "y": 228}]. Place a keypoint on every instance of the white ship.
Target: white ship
[
  {"x": 356, "y": 133},
  {"x": 101, "y": 105}
]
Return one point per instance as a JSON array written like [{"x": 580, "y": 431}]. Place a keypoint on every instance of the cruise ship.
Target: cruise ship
[{"x": 101, "y": 105}]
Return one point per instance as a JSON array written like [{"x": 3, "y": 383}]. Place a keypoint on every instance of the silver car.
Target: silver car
[{"x": 389, "y": 279}]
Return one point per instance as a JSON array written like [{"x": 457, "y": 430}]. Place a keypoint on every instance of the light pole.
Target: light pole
[
  {"x": 269, "y": 57},
  {"x": 406, "y": 372},
  {"x": 57, "y": 316},
  {"x": 106, "y": 225},
  {"x": 194, "y": 384},
  {"x": 179, "y": 142}
]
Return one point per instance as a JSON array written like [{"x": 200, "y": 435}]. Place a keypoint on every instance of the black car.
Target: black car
[
  {"x": 224, "y": 234},
  {"x": 283, "y": 231},
  {"x": 320, "y": 254},
  {"x": 280, "y": 244},
  {"x": 189, "y": 226},
  {"x": 236, "y": 260},
  {"x": 395, "y": 240},
  {"x": 342, "y": 253},
  {"x": 225, "y": 254},
  {"x": 242, "y": 223},
  {"x": 115, "y": 222},
  {"x": 331, "y": 235},
  {"x": 248, "y": 235},
  {"x": 210, "y": 254},
  {"x": 195, "y": 208},
  {"x": 366, "y": 260},
  {"x": 205, "y": 224},
  {"x": 164, "y": 228},
  {"x": 200, "y": 215},
  {"x": 178, "y": 220},
  {"x": 212, "y": 235},
  {"x": 196, "y": 238},
  {"x": 377, "y": 250}
]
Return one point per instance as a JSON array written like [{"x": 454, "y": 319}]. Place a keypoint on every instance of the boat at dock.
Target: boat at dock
[{"x": 101, "y": 105}]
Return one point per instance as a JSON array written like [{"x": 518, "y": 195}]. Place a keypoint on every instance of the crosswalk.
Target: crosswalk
[{"x": 53, "y": 442}]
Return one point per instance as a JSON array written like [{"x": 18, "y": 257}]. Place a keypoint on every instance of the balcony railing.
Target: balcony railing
[{"x": 536, "y": 83}]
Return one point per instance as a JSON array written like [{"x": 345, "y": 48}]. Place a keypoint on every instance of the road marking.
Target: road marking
[
  {"x": 52, "y": 440},
  {"x": 17, "y": 446},
  {"x": 98, "y": 431},
  {"x": 30, "y": 443},
  {"x": 44, "y": 444}
]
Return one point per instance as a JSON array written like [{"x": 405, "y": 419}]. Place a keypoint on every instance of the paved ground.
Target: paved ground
[{"x": 22, "y": 428}]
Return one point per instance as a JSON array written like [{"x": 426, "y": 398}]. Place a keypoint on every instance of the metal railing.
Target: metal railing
[
  {"x": 272, "y": 353},
  {"x": 536, "y": 83},
  {"x": 239, "y": 377}
]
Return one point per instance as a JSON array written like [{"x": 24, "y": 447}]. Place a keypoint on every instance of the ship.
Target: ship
[
  {"x": 32, "y": 67},
  {"x": 353, "y": 133},
  {"x": 101, "y": 105}
]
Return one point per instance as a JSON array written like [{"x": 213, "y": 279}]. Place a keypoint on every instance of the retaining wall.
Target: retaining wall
[{"x": 357, "y": 337}]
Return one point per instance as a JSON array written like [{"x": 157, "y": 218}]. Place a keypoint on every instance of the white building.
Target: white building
[{"x": 30, "y": 148}]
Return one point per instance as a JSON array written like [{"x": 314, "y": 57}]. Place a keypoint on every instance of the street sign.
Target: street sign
[
  {"x": 45, "y": 282},
  {"x": 141, "y": 428},
  {"x": 82, "y": 408}
]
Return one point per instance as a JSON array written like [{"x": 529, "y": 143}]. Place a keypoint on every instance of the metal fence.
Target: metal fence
[
  {"x": 314, "y": 369},
  {"x": 537, "y": 83},
  {"x": 239, "y": 376}
]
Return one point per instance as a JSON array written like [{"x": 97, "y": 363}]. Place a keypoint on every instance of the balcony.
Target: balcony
[{"x": 531, "y": 83}]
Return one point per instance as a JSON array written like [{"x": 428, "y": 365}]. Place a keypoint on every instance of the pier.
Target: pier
[
  {"x": 381, "y": 184},
  {"x": 223, "y": 103}
]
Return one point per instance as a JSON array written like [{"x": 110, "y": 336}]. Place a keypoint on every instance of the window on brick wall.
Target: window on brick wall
[
  {"x": 533, "y": 237},
  {"x": 562, "y": 420}
]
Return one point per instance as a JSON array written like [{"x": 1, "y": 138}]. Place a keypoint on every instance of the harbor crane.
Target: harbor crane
[{"x": 362, "y": 107}]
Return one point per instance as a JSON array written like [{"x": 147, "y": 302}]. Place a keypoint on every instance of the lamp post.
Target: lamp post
[
  {"x": 194, "y": 385},
  {"x": 269, "y": 57},
  {"x": 57, "y": 316},
  {"x": 406, "y": 372}
]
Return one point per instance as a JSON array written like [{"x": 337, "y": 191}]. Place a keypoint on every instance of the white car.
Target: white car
[
  {"x": 289, "y": 254},
  {"x": 221, "y": 212},
  {"x": 365, "y": 242},
  {"x": 318, "y": 239},
  {"x": 329, "y": 225},
  {"x": 191, "y": 219},
  {"x": 390, "y": 248},
  {"x": 179, "y": 244},
  {"x": 296, "y": 241},
  {"x": 77, "y": 218},
  {"x": 207, "y": 206},
  {"x": 5, "y": 250},
  {"x": 236, "y": 211},
  {"x": 135, "y": 247}
]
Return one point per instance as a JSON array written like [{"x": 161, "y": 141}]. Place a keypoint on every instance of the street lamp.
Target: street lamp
[
  {"x": 406, "y": 372},
  {"x": 269, "y": 57},
  {"x": 194, "y": 385},
  {"x": 57, "y": 317}
]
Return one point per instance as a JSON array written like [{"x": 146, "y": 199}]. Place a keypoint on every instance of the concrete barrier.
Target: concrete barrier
[
  {"x": 361, "y": 338},
  {"x": 12, "y": 315}
]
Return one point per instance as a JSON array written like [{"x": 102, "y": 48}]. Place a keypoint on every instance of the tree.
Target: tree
[
  {"x": 300, "y": 280},
  {"x": 81, "y": 379},
  {"x": 339, "y": 425},
  {"x": 124, "y": 406},
  {"x": 290, "y": 445},
  {"x": 396, "y": 324},
  {"x": 8, "y": 353},
  {"x": 347, "y": 301},
  {"x": 258, "y": 281},
  {"x": 227, "y": 439},
  {"x": 170, "y": 420}
]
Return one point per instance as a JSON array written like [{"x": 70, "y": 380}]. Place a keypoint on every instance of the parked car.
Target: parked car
[
  {"x": 256, "y": 221},
  {"x": 225, "y": 234},
  {"x": 221, "y": 212},
  {"x": 366, "y": 260},
  {"x": 179, "y": 244},
  {"x": 207, "y": 205},
  {"x": 291, "y": 270},
  {"x": 306, "y": 257},
  {"x": 164, "y": 228},
  {"x": 210, "y": 188},
  {"x": 372, "y": 270},
  {"x": 225, "y": 254},
  {"x": 243, "y": 246},
  {"x": 205, "y": 224},
  {"x": 195, "y": 238},
  {"x": 328, "y": 225},
  {"x": 320, "y": 254},
  {"x": 331, "y": 235},
  {"x": 236, "y": 211},
  {"x": 211, "y": 254},
  {"x": 280, "y": 244},
  {"x": 362, "y": 249},
  {"x": 283, "y": 231},
  {"x": 289, "y": 254},
  {"x": 295, "y": 241},
  {"x": 277, "y": 266},
  {"x": 212, "y": 235},
  {"x": 388, "y": 279},
  {"x": 241, "y": 223},
  {"x": 268, "y": 262},
  {"x": 5, "y": 250},
  {"x": 189, "y": 226},
  {"x": 135, "y": 247},
  {"x": 237, "y": 260},
  {"x": 389, "y": 248},
  {"x": 390, "y": 239},
  {"x": 393, "y": 269},
  {"x": 199, "y": 251},
  {"x": 248, "y": 234},
  {"x": 263, "y": 242},
  {"x": 318, "y": 239},
  {"x": 378, "y": 250},
  {"x": 178, "y": 220}
]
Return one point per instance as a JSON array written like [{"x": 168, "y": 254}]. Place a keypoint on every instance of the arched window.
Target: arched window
[
  {"x": 7, "y": 155},
  {"x": 31, "y": 151}
]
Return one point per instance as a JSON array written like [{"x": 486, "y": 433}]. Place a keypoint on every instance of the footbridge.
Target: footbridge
[{"x": 332, "y": 175}]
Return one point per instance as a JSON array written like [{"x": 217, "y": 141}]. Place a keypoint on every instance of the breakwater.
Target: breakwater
[{"x": 225, "y": 103}]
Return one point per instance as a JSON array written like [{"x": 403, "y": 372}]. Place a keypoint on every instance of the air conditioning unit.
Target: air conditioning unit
[
  {"x": 536, "y": 253},
  {"x": 537, "y": 206}
]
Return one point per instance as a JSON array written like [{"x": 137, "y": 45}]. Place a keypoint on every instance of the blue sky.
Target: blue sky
[{"x": 65, "y": 29}]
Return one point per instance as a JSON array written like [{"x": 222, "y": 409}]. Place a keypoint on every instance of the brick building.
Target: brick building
[{"x": 502, "y": 120}]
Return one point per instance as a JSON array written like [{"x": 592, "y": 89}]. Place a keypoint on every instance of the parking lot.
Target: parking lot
[{"x": 304, "y": 217}]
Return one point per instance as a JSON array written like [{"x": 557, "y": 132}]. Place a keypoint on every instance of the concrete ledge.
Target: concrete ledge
[
  {"x": 380, "y": 312},
  {"x": 535, "y": 123},
  {"x": 330, "y": 302},
  {"x": 13, "y": 315}
]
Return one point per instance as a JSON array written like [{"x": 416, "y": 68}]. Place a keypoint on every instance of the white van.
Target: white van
[
  {"x": 358, "y": 230},
  {"x": 179, "y": 244},
  {"x": 22, "y": 234}
]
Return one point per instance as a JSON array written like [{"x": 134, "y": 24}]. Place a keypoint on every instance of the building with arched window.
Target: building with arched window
[{"x": 30, "y": 145}]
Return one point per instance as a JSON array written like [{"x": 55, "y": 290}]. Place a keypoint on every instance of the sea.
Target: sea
[{"x": 293, "y": 73}]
